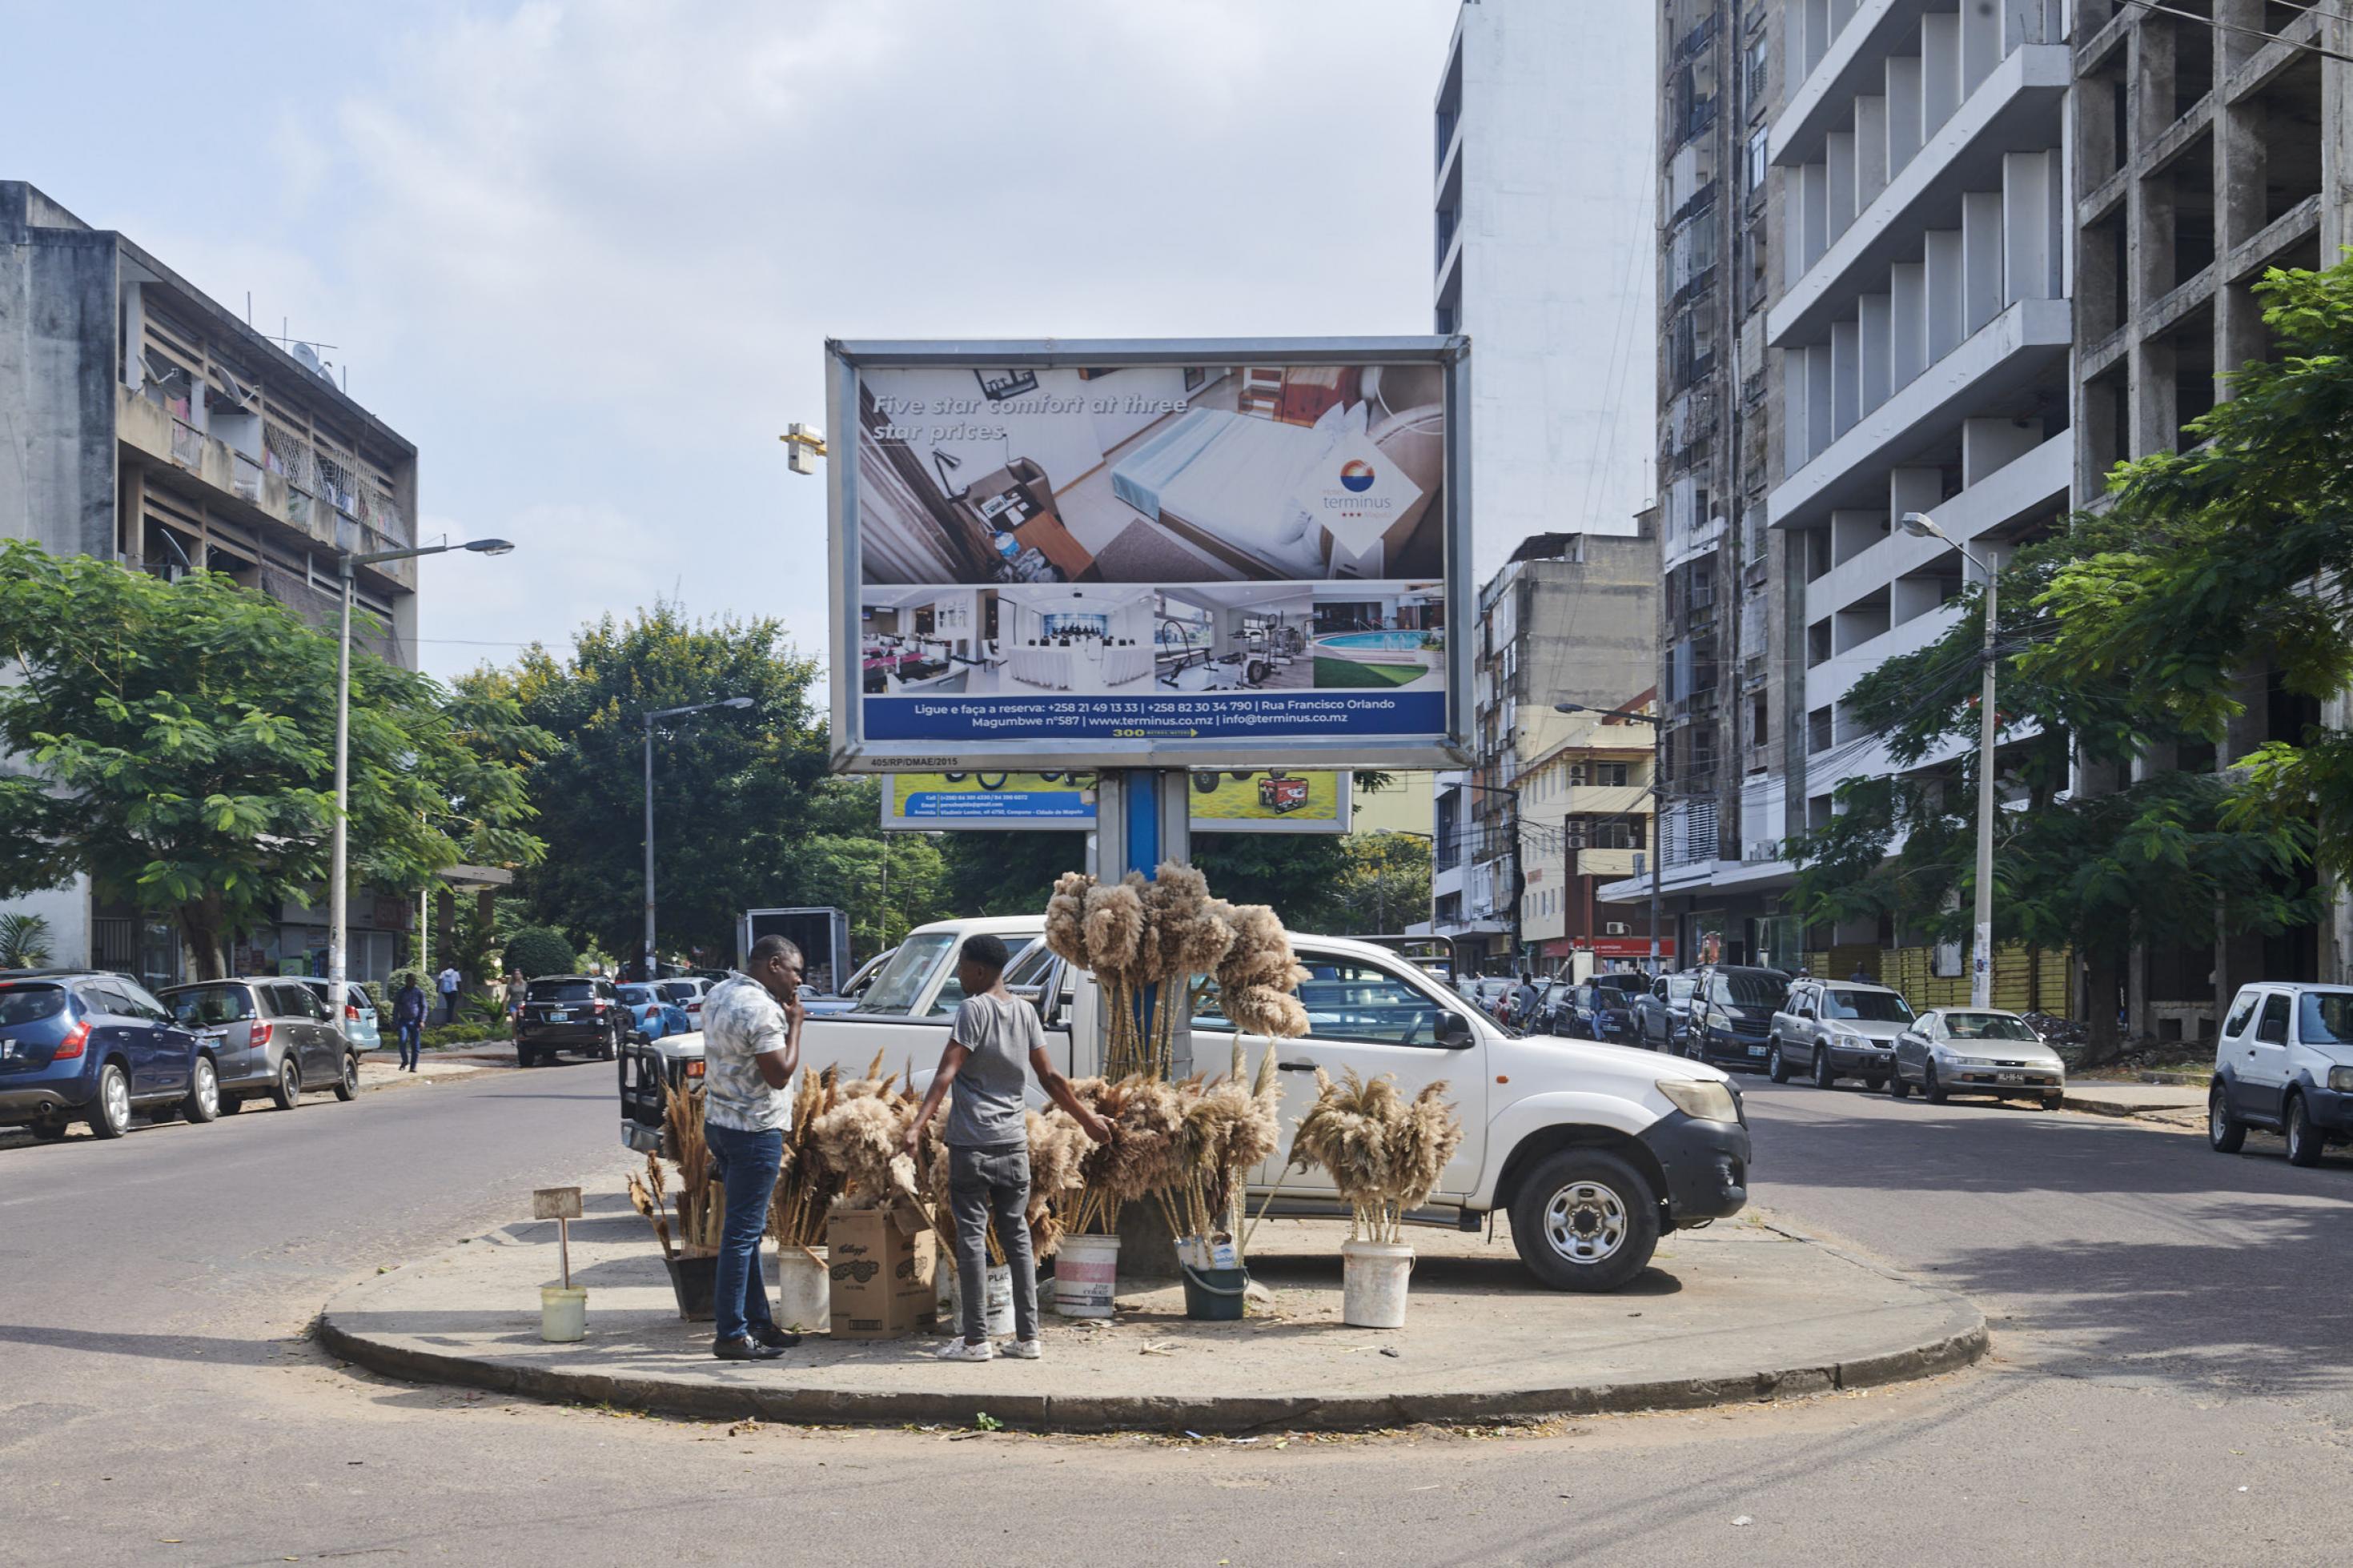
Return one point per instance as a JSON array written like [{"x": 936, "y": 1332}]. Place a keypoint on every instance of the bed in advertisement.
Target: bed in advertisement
[{"x": 1157, "y": 554}]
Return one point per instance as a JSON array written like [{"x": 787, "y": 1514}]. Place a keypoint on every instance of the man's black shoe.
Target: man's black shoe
[
  {"x": 745, "y": 1348},
  {"x": 776, "y": 1338}
]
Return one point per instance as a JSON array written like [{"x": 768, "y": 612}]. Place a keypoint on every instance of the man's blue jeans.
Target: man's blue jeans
[
  {"x": 746, "y": 1163},
  {"x": 412, "y": 1040}
]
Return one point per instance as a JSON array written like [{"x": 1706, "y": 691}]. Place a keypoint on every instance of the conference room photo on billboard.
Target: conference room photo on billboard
[{"x": 1150, "y": 562}]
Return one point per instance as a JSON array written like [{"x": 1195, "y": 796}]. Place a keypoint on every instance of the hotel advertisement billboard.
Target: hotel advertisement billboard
[{"x": 1198, "y": 554}]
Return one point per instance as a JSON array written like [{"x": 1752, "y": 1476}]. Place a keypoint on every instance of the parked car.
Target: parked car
[
  {"x": 687, "y": 992},
  {"x": 1618, "y": 990},
  {"x": 2284, "y": 1060},
  {"x": 1975, "y": 1051},
  {"x": 571, "y": 1013},
  {"x": 270, "y": 1036},
  {"x": 1488, "y": 992},
  {"x": 359, "y": 1012},
  {"x": 651, "y": 1017},
  {"x": 1732, "y": 1010},
  {"x": 1593, "y": 1152},
  {"x": 1662, "y": 1014},
  {"x": 851, "y": 990},
  {"x": 1831, "y": 1029},
  {"x": 90, "y": 1047}
]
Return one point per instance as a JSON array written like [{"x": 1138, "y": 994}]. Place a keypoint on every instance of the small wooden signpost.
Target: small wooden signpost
[{"x": 561, "y": 1205}]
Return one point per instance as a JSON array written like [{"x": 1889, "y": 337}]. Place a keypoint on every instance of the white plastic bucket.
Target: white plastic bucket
[
  {"x": 997, "y": 1301},
  {"x": 804, "y": 1296},
  {"x": 562, "y": 1313},
  {"x": 1373, "y": 1278},
  {"x": 1086, "y": 1276}
]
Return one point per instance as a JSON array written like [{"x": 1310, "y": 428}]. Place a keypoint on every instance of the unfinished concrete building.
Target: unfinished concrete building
[{"x": 2212, "y": 142}]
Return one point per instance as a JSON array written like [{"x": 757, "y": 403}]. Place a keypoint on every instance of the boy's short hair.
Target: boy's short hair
[{"x": 988, "y": 951}]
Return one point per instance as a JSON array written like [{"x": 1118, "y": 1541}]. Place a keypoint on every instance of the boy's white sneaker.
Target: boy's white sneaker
[
  {"x": 958, "y": 1350},
  {"x": 1026, "y": 1350}
]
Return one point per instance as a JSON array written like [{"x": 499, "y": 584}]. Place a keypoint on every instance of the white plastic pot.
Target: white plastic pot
[
  {"x": 562, "y": 1313},
  {"x": 803, "y": 1294},
  {"x": 997, "y": 1301},
  {"x": 1373, "y": 1276},
  {"x": 1086, "y": 1276}
]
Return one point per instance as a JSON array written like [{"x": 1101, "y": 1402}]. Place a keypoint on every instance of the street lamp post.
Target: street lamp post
[
  {"x": 1658, "y": 803},
  {"x": 650, "y": 718},
  {"x": 339, "y": 874},
  {"x": 1920, "y": 525}
]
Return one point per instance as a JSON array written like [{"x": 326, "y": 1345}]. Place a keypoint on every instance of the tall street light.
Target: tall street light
[
  {"x": 1658, "y": 801},
  {"x": 1920, "y": 525},
  {"x": 338, "y": 893},
  {"x": 650, "y": 718}
]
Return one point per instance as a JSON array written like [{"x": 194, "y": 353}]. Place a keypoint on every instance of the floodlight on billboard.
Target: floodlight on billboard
[{"x": 1149, "y": 554}]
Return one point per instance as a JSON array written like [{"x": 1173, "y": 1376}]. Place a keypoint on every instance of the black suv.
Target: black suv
[
  {"x": 580, "y": 1012},
  {"x": 1732, "y": 1009}
]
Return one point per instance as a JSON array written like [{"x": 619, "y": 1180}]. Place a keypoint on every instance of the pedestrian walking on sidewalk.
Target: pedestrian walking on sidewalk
[
  {"x": 989, "y": 1148},
  {"x": 751, "y": 1044},
  {"x": 516, "y": 989},
  {"x": 448, "y": 982},
  {"x": 409, "y": 1021}
]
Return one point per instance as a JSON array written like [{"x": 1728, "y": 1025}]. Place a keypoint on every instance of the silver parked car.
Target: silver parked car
[
  {"x": 1976, "y": 1050},
  {"x": 270, "y": 1035},
  {"x": 1831, "y": 1029}
]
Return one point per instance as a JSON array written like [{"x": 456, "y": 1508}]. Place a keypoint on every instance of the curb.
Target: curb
[{"x": 1964, "y": 1344}]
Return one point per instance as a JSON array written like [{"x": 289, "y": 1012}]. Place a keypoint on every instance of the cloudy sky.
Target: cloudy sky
[{"x": 585, "y": 254}]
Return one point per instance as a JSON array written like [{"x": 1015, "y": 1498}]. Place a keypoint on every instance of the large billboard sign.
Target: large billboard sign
[
  {"x": 1189, "y": 553},
  {"x": 1237, "y": 801}
]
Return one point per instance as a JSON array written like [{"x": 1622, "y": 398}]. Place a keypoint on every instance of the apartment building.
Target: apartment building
[
  {"x": 1571, "y": 618},
  {"x": 2209, "y": 147},
  {"x": 1917, "y": 321},
  {"x": 1585, "y": 821},
  {"x": 149, "y": 423}
]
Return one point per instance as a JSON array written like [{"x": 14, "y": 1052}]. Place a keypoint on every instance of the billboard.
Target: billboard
[
  {"x": 1191, "y": 553},
  {"x": 1235, "y": 801}
]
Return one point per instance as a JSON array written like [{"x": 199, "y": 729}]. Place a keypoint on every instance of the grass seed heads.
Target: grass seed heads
[
  {"x": 1065, "y": 912},
  {"x": 1113, "y": 926}
]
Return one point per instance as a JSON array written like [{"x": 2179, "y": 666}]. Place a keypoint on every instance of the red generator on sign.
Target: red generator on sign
[{"x": 1276, "y": 791}]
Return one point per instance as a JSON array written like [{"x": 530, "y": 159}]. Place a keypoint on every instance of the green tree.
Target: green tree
[
  {"x": 2235, "y": 552},
  {"x": 182, "y": 744},
  {"x": 1385, "y": 885},
  {"x": 733, "y": 789},
  {"x": 541, "y": 949}
]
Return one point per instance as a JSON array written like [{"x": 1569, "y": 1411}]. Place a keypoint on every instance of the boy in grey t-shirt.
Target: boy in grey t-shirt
[{"x": 988, "y": 1146}]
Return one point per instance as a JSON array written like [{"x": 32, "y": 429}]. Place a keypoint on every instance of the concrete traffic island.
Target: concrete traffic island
[{"x": 1737, "y": 1313}]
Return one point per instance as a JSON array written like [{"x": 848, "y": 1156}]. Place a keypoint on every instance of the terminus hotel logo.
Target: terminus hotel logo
[{"x": 1357, "y": 480}]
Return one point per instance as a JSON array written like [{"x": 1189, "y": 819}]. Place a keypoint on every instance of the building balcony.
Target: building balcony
[
  {"x": 245, "y": 489},
  {"x": 1606, "y": 862},
  {"x": 1986, "y": 375},
  {"x": 1847, "y": 56},
  {"x": 2016, "y": 108}
]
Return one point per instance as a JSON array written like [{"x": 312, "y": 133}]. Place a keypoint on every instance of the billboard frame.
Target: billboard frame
[{"x": 850, "y": 751}]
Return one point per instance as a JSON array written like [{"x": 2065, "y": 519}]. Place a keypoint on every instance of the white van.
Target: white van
[
  {"x": 1592, "y": 1149},
  {"x": 2284, "y": 1061}
]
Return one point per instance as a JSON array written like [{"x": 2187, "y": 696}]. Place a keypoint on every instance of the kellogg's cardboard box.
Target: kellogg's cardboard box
[{"x": 881, "y": 1273}]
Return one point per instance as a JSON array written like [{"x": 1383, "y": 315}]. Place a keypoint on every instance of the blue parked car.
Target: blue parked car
[
  {"x": 86, "y": 1046},
  {"x": 654, "y": 1018}
]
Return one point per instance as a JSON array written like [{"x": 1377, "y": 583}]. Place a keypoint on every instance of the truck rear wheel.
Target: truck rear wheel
[{"x": 1585, "y": 1220}]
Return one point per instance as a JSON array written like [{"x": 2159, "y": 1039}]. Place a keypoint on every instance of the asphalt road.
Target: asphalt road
[{"x": 2170, "y": 1381}]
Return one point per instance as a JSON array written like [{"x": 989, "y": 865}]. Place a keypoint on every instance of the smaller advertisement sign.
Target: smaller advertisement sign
[{"x": 1266, "y": 800}]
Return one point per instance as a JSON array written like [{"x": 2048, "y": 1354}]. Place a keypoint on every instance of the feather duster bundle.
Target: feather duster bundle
[{"x": 1384, "y": 1154}]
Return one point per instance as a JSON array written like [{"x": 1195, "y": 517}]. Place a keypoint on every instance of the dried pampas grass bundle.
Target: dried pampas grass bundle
[
  {"x": 806, "y": 1188},
  {"x": 1065, "y": 917},
  {"x": 858, "y": 1138},
  {"x": 1385, "y": 1154}
]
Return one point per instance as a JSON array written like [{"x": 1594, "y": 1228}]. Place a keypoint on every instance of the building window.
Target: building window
[
  {"x": 1758, "y": 166},
  {"x": 1610, "y": 775}
]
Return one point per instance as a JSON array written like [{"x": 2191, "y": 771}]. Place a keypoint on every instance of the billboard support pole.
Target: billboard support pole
[{"x": 1142, "y": 817}]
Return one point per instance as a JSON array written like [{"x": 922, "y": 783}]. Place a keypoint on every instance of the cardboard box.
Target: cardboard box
[{"x": 881, "y": 1275}]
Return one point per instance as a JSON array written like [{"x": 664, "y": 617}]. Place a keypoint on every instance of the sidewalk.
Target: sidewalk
[
  {"x": 380, "y": 1068},
  {"x": 2174, "y": 1105},
  {"x": 1736, "y": 1313}
]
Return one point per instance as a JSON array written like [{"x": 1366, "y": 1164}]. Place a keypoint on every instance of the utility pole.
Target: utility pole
[{"x": 1920, "y": 525}]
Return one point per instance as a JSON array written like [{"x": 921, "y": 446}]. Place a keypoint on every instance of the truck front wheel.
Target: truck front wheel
[{"x": 1585, "y": 1220}]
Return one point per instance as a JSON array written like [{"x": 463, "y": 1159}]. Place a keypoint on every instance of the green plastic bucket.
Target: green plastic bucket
[{"x": 1215, "y": 1295}]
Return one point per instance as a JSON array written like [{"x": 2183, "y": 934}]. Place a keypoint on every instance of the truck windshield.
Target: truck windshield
[
  {"x": 1871, "y": 1007},
  {"x": 903, "y": 980},
  {"x": 2326, "y": 1018}
]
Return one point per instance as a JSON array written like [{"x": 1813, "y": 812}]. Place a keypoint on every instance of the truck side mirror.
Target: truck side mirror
[{"x": 1453, "y": 1029}]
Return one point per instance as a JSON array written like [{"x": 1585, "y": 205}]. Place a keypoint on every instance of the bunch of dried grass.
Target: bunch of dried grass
[
  {"x": 806, "y": 1187},
  {"x": 1385, "y": 1154},
  {"x": 1230, "y": 1128},
  {"x": 649, "y": 1196},
  {"x": 1058, "y": 1151},
  {"x": 701, "y": 1199},
  {"x": 1259, "y": 976},
  {"x": 858, "y": 1136}
]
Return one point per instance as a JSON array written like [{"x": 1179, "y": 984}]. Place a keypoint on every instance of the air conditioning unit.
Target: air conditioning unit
[
  {"x": 1615, "y": 928},
  {"x": 1577, "y": 776}
]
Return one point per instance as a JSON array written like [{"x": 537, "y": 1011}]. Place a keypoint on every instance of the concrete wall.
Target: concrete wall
[{"x": 56, "y": 380}]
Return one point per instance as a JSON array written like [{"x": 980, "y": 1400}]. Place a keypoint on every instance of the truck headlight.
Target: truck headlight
[
  {"x": 1702, "y": 1100},
  {"x": 2341, "y": 1079}
]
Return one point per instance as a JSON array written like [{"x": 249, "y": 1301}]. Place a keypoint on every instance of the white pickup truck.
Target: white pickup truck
[{"x": 1592, "y": 1149}]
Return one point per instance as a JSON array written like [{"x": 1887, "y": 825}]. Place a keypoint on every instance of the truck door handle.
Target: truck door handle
[{"x": 1295, "y": 1066}]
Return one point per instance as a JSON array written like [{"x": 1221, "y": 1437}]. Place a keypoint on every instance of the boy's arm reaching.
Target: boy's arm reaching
[
  {"x": 951, "y": 1058},
  {"x": 1057, "y": 1090}
]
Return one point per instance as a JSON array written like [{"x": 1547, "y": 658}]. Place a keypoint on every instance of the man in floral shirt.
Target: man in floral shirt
[{"x": 751, "y": 1044}]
